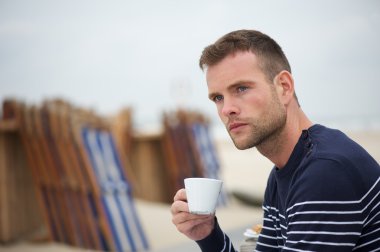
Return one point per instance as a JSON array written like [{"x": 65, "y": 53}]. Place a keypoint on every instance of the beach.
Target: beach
[{"x": 243, "y": 172}]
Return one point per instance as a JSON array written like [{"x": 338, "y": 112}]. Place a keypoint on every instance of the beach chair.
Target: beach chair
[
  {"x": 20, "y": 216},
  {"x": 117, "y": 222},
  {"x": 121, "y": 128},
  {"x": 76, "y": 187},
  {"x": 63, "y": 183},
  {"x": 76, "y": 205},
  {"x": 189, "y": 149},
  {"x": 115, "y": 191},
  {"x": 38, "y": 164},
  {"x": 94, "y": 206},
  {"x": 179, "y": 153}
]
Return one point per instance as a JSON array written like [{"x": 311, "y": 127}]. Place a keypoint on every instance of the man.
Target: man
[{"x": 323, "y": 193}]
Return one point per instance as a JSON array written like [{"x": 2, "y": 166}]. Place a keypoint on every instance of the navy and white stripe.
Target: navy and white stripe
[
  {"x": 340, "y": 228},
  {"x": 217, "y": 241},
  {"x": 326, "y": 198},
  {"x": 116, "y": 197}
]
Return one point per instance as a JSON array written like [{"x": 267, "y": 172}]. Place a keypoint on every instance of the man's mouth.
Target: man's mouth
[{"x": 235, "y": 126}]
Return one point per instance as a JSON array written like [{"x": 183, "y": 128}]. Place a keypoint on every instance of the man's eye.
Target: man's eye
[
  {"x": 218, "y": 98},
  {"x": 241, "y": 89}
]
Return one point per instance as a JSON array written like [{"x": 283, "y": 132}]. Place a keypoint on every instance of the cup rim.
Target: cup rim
[{"x": 201, "y": 178}]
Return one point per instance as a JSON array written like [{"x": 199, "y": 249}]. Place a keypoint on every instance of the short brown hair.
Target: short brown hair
[{"x": 272, "y": 59}]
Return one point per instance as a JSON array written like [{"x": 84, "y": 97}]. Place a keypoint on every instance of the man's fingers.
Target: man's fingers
[
  {"x": 185, "y": 221},
  {"x": 180, "y": 195},
  {"x": 192, "y": 225},
  {"x": 179, "y": 206},
  {"x": 182, "y": 217}
]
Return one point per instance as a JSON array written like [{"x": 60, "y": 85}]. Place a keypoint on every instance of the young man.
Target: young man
[{"x": 323, "y": 193}]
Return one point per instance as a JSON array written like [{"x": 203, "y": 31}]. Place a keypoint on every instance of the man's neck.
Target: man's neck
[{"x": 279, "y": 148}]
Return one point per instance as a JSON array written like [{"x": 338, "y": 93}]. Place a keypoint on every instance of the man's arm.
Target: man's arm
[{"x": 217, "y": 241}]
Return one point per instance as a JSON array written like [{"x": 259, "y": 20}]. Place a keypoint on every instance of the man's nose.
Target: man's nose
[{"x": 229, "y": 108}]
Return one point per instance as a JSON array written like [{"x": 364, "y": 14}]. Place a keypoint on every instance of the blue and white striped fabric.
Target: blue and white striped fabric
[
  {"x": 207, "y": 153},
  {"x": 116, "y": 193}
]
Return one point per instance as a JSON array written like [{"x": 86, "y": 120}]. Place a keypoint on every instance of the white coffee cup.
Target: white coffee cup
[{"x": 202, "y": 194}]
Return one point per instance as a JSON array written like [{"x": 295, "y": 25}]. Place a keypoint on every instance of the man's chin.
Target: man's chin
[
  {"x": 240, "y": 141},
  {"x": 242, "y": 145}
]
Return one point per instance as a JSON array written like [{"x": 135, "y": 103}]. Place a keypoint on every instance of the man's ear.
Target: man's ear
[{"x": 284, "y": 84}]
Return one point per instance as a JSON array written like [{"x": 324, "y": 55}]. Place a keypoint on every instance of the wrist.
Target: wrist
[{"x": 213, "y": 240}]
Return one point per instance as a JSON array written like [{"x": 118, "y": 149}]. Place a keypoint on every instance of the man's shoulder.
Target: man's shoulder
[
  {"x": 335, "y": 154},
  {"x": 337, "y": 168},
  {"x": 333, "y": 178},
  {"x": 335, "y": 145}
]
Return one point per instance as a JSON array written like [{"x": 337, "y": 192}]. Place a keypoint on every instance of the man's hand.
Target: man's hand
[{"x": 196, "y": 227}]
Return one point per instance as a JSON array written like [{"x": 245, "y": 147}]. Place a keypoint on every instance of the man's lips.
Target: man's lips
[{"x": 233, "y": 126}]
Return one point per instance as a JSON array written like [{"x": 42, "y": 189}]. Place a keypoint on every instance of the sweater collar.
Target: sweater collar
[{"x": 302, "y": 148}]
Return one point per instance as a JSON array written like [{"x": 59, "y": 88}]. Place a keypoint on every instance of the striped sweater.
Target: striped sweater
[{"x": 326, "y": 198}]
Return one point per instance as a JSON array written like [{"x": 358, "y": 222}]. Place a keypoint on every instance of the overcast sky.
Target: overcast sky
[{"x": 111, "y": 54}]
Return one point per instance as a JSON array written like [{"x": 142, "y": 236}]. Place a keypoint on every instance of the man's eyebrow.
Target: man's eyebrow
[{"x": 241, "y": 82}]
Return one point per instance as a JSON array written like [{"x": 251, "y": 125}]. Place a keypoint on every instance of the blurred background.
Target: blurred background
[
  {"x": 133, "y": 65},
  {"x": 145, "y": 54}
]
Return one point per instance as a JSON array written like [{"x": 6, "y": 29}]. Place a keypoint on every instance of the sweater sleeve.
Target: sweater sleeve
[{"x": 217, "y": 241}]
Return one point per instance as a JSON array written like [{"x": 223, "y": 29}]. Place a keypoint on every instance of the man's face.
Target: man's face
[{"x": 247, "y": 104}]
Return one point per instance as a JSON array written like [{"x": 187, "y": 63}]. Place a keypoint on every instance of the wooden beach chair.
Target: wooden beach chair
[
  {"x": 76, "y": 186},
  {"x": 121, "y": 128},
  {"x": 189, "y": 149},
  {"x": 20, "y": 216},
  {"x": 95, "y": 205},
  {"x": 115, "y": 191},
  {"x": 180, "y": 162},
  {"x": 81, "y": 186},
  {"x": 38, "y": 163},
  {"x": 62, "y": 201}
]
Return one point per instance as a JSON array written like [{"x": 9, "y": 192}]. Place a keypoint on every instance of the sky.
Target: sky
[{"x": 108, "y": 55}]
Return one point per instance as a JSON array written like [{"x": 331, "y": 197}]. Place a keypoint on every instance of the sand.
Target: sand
[{"x": 243, "y": 171}]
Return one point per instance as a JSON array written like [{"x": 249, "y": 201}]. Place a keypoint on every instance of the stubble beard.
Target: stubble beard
[{"x": 265, "y": 131}]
